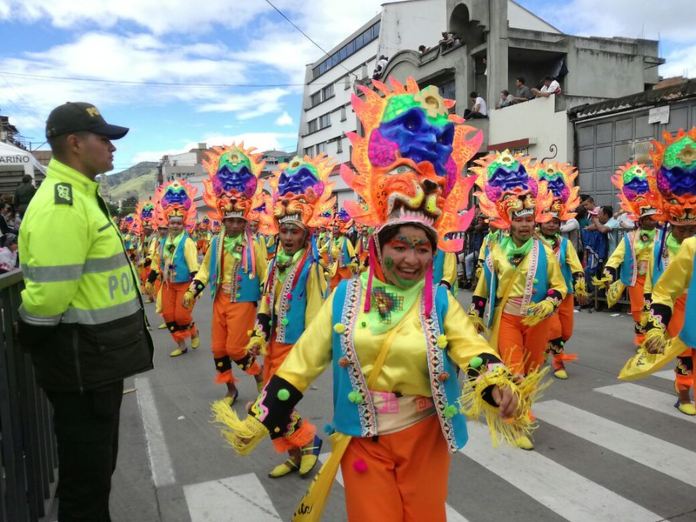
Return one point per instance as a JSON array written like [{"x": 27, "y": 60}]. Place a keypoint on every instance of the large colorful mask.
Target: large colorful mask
[
  {"x": 674, "y": 162},
  {"x": 232, "y": 187},
  {"x": 130, "y": 224},
  {"x": 215, "y": 226},
  {"x": 301, "y": 194},
  {"x": 508, "y": 191},
  {"x": 341, "y": 222},
  {"x": 204, "y": 224},
  {"x": 175, "y": 199},
  {"x": 637, "y": 188},
  {"x": 559, "y": 178},
  {"x": 145, "y": 210},
  {"x": 409, "y": 162}
]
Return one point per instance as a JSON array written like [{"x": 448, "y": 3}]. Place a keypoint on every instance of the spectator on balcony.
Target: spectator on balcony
[
  {"x": 523, "y": 93},
  {"x": 505, "y": 99},
  {"x": 422, "y": 49},
  {"x": 479, "y": 109},
  {"x": 550, "y": 87},
  {"x": 379, "y": 67},
  {"x": 447, "y": 41}
]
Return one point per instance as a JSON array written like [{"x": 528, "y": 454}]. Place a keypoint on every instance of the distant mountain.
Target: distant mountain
[
  {"x": 137, "y": 170},
  {"x": 138, "y": 181}
]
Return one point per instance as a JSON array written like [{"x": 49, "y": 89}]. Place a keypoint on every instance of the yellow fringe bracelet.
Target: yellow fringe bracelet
[
  {"x": 242, "y": 435},
  {"x": 527, "y": 390}
]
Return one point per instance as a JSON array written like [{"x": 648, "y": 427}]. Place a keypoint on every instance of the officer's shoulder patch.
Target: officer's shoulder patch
[{"x": 63, "y": 194}]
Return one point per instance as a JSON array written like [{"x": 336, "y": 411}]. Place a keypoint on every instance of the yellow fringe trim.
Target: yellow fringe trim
[
  {"x": 581, "y": 288},
  {"x": 614, "y": 293},
  {"x": 527, "y": 390},
  {"x": 537, "y": 312},
  {"x": 242, "y": 435}
]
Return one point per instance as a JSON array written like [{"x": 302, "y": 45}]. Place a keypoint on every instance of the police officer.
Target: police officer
[{"x": 81, "y": 317}]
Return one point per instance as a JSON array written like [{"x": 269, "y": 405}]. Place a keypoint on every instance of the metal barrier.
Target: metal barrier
[{"x": 28, "y": 457}]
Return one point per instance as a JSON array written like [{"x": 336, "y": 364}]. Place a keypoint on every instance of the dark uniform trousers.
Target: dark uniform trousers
[{"x": 86, "y": 426}]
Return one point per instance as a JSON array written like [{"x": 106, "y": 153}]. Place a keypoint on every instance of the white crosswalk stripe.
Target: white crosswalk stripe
[
  {"x": 452, "y": 514},
  {"x": 557, "y": 487},
  {"x": 660, "y": 455},
  {"x": 665, "y": 374},
  {"x": 241, "y": 498},
  {"x": 646, "y": 397}
]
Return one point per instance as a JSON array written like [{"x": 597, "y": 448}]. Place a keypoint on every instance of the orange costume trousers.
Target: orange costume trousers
[
  {"x": 561, "y": 323},
  {"x": 400, "y": 476},
  {"x": 637, "y": 299},
  {"x": 230, "y": 335},
  {"x": 302, "y": 431},
  {"x": 178, "y": 319},
  {"x": 343, "y": 272},
  {"x": 522, "y": 347}
]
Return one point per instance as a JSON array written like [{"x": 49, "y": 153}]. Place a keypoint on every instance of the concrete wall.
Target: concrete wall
[
  {"x": 406, "y": 25},
  {"x": 536, "y": 120}
]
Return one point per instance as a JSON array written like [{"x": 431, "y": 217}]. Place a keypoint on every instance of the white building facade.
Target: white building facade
[{"x": 329, "y": 82}]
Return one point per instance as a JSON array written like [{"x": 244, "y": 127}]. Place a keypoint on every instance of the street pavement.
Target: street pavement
[{"x": 605, "y": 450}]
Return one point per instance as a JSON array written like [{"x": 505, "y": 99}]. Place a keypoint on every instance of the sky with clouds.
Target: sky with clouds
[{"x": 235, "y": 68}]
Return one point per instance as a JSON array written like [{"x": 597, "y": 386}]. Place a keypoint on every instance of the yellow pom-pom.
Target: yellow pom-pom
[
  {"x": 339, "y": 328},
  {"x": 442, "y": 341}
]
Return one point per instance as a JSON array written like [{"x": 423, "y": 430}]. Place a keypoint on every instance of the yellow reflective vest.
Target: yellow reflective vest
[
  {"x": 75, "y": 267},
  {"x": 81, "y": 314}
]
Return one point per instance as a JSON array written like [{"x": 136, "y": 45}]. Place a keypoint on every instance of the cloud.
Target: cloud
[
  {"x": 260, "y": 140},
  {"x": 680, "y": 62},
  {"x": 672, "y": 20},
  {"x": 249, "y": 105},
  {"x": 284, "y": 119}
]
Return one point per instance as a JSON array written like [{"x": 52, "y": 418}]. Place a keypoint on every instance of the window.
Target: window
[
  {"x": 325, "y": 121},
  {"x": 308, "y": 151},
  {"x": 327, "y": 92},
  {"x": 315, "y": 99},
  {"x": 321, "y": 147},
  {"x": 339, "y": 145},
  {"x": 312, "y": 126},
  {"x": 363, "y": 71},
  {"x": 346, "y": 82},
  {"x": 347, "y": 50},
  {"x": 343, "y": 113}
]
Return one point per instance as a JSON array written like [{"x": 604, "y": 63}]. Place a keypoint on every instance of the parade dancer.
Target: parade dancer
[
  {"x": 670, "y": 287},
  {"x": 295, "y": 287},
  {"x": 560, "y": 178},
  {"x": 521, "y": 284},
  {"x": 393, "y": 338},
  {"x": 145, "y": 211},
  {"x": 338, "y": 253},
  {"x": 176, "y": 262},
  {"x": 130, "y": 228},
  {"x": 628, "y": 264},
  {"x": 203, "y": 235},
  {"x": 235, "y": 264}
]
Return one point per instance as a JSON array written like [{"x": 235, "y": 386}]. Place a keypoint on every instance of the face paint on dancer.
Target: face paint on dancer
[
  {"x": 292, "y": 238},
  {"x": 521, "y": 229},
  {"x": 234, "y": 226},
  {"x": 407, "y": 256},
  {"x": 551, "y": 227},
  {"x": 176, "y": 226}
]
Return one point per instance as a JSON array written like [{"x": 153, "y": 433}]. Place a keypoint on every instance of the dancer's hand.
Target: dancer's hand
[
  {"x": 242, "y": 435},
  {"x": 655, "y": 341},
  {"x": 506, "y": 401},
  {"x": 537, "y": 312},
  {"x": 602, "y": 282},
  {"x": 188, "y": 299}
]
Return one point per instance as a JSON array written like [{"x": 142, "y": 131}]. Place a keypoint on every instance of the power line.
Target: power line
[
  {"x": 326, "y": 53},
  {"x": 163, "y": 84}
]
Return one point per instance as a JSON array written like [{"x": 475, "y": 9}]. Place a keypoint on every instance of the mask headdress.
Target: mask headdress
[
  {"x": 232, "y": 187},
  {"x": 409, "y": 162},
  {"x": 637, "y": 190},
  {"x": 301, "y": 194},
  {"x": 215, "y": 226},
  {"x": 674, "y": 162},
  {"x": 560, "y": 181},
  {"x": 131, "y": 224},
  {"x": 342, "y": 221},
  {"x": 509, "y": 191},
  {"x": 204, "y": 224},
  {"x": 175, "y": 199},
  {"x": 145, "y": 210}
]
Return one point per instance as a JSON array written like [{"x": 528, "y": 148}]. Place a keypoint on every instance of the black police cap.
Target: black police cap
[{"x": 79, "y": 117}]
